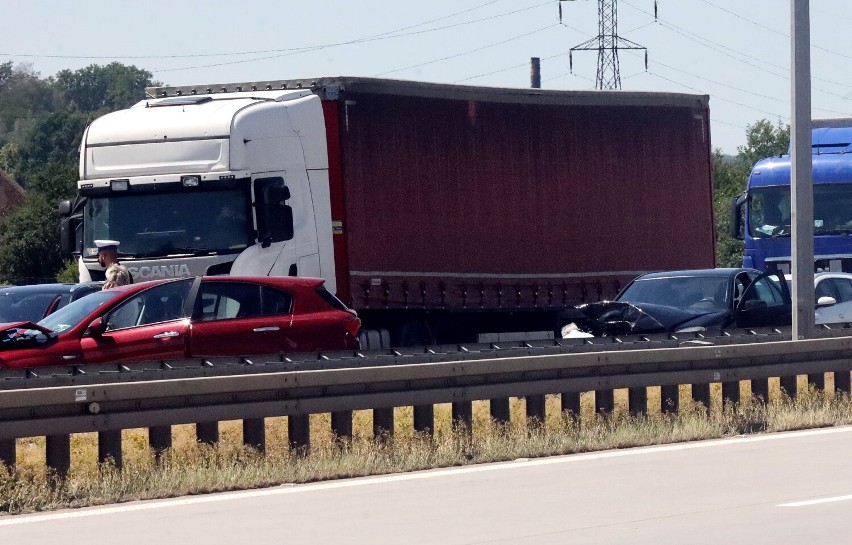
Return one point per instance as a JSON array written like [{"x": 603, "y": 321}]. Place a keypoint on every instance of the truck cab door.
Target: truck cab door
[
  {"x": 762, "y": 300},
  {"x": 275, "y": 226}
]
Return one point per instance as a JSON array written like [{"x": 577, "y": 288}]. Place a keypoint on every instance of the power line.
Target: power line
[
  {"x": 373, "y": 38},
  {"x": 782, "y": 34},
  {"x": 735, "y": 54},
  {"x": 466, "y": 52},
  {"x": 389, "y": 33}
]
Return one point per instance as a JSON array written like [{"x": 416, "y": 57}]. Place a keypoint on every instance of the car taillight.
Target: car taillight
[{"x": 352, "y": 325}]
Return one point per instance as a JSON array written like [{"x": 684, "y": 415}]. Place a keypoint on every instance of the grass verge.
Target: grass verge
[{"x": 193, "y": 468}]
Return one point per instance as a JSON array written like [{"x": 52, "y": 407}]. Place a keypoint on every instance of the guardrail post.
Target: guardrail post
[
  {"x": 8, "y": 456},
  {"x": 817, "y": 380},
  {"x": 109, "y": 447},
  {"x": 637, "y": 400},
  {"x": 790, "y": 386},
  {"x": 500, "y": 410},
  {"x": 463, "y": 415},
  {"x": 670, "y": 398},
  {"x": 571, "y": 403},
  {"x": 424, "y": 418},
  {"x": 299, "y": 432},
  {"x": 842, "y": 382},
  {"x": 760, "y": 389},
  {"x": 254, "y": 433},
  {"x": 341, "y": 424},
  {"x": 159, "y": 439},
  {"x": 701, "y": 394},
  {"x": 207, "y": 432},
  {"x": 731, "y": 391},
  {"x": 604, "y": 401},
  {"x": 536, "y": 409},
  {"x": 58, "y": 453},
  {"x": 382, "y": 422}
]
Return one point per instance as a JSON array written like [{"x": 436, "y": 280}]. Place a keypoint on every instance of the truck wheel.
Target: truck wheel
[
  {"x": 374, "y": 339},
  {"x": 415, "y": 333}
]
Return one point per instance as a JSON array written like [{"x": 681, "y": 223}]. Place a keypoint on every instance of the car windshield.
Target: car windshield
[
  {"x": 684, "y": 292},
  {"x": 70, "y": 315},
  {"x": 19, "y": 306}
]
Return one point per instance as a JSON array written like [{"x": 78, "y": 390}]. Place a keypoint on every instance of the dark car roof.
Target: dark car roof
[
  {"x": 57, "y": 288},
  {"x": 721, "y": 271}
]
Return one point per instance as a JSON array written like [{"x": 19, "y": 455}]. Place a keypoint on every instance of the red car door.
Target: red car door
[
  {"x": 151, "y": 325},
  {"x": 239, "y": 318}
]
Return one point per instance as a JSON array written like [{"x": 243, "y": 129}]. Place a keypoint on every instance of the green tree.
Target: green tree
[
  {"x": 730, "y": 176},
  {"x": 29, "y": 243},
  {"x": 23, "y": 97},
  {"x": 55, "y": 138},
  {"x": 96, "y": 88}
]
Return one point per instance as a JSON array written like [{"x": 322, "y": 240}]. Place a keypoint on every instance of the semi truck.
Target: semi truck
[
  {"x": 761, "y": 216},
  {"x": 440, "y": 213}
]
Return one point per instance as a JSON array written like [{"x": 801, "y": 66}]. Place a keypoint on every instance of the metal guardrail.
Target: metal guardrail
[{"x": 56, "y": 402}]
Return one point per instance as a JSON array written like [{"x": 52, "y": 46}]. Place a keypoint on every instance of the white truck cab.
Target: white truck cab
[{"x": 207, "y": 184}]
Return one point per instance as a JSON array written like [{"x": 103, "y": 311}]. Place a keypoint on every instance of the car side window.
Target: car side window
[
  {"x": 767, "y": 292},
  {"x": 226, "y": 300},
  {"x": 843, "y": 286},
  {"x": 161, "y": 303},
  {"x": 275, "y": 302},
  {"x": 825, "y": 288}
]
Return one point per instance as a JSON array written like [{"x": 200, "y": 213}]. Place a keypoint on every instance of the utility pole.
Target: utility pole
[{"x": 607, "y": 43}]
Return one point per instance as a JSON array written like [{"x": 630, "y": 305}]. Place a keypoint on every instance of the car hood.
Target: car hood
[
  {"x": 24, "y": 325},
  {"x": 15, "y": 335},
  {"x": 620, "y": 318}
]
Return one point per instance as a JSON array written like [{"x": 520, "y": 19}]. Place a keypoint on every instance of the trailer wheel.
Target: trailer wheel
[
  {"x": 415, "y": 333},
  {"x": 374, "y": 339}
]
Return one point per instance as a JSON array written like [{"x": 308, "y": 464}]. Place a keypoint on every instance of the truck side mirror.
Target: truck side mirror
[
  {"x": 274, "y": 216},
  {"x": 735, "y": 227},
  {"x": 70, "y": 237},
  {"x": 65, "y": 208}
]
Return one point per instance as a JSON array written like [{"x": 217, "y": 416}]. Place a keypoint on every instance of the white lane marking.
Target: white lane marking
[
  {"x": 401, "y": 477},
  {"x": 806, "y": 503}
]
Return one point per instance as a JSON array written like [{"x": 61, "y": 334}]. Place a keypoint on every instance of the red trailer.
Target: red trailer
[{"x": 472, "y": 209}]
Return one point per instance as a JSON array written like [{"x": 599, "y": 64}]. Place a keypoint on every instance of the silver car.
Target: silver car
[{"x": 833, "y": 292}]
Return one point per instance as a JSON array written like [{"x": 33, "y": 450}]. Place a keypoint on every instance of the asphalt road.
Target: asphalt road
[{"x": 789, "y": 488}]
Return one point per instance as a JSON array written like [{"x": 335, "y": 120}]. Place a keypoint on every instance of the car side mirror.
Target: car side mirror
[
  {"x": 97, "y": 327},
  {"x": 826, "y": 301},
  {"x": 754, "y": 304}
]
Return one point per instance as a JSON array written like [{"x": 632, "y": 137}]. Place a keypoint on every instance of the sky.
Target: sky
[{"x": 736, "y": 51}]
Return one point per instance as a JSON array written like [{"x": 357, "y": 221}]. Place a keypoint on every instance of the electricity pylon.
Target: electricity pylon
[{"x": 607, "y": 43}]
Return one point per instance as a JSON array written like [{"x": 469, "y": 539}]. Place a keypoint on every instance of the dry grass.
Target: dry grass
[{"x": 193, "y": 468}]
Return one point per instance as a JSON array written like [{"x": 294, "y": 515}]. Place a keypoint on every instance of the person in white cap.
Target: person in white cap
[{"x": 116, "y": 273}]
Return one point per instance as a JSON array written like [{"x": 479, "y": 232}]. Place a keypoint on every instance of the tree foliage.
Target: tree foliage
[
  {"x": 41, "y": 125},
  {"x": 29, "y": 245},
  {"x": 96, "y": 88}
]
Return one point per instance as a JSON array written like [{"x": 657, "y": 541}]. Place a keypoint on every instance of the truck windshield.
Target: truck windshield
[
  {"x": 769, "y": 210},
  {"x": 169, "y": 223}
]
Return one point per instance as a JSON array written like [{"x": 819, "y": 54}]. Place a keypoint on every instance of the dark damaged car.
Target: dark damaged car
[{"x": 687, "y": 301}]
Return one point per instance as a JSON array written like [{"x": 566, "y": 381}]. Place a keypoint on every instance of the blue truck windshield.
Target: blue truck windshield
[
  {"x": 161, "y": 224},
  {"x": 769, "y": 210}
]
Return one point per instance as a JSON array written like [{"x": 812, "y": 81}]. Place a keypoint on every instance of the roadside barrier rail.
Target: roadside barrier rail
[{"x": 58, "y": 401}]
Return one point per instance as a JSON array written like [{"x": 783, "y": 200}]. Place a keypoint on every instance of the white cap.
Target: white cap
[{"x": 107, "y": 245}]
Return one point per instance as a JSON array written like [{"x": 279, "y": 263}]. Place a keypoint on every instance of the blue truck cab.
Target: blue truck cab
[{"x": 761, "y": 215}]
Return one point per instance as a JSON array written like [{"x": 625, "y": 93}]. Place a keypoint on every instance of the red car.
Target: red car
[{"x": 183, "y": 318}]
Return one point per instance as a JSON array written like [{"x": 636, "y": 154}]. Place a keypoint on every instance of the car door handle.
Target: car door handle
[
  {"x": 69, "y": 357},
  {"x": 267, "y": 328},
  {"x": 167, "y": 334}
]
